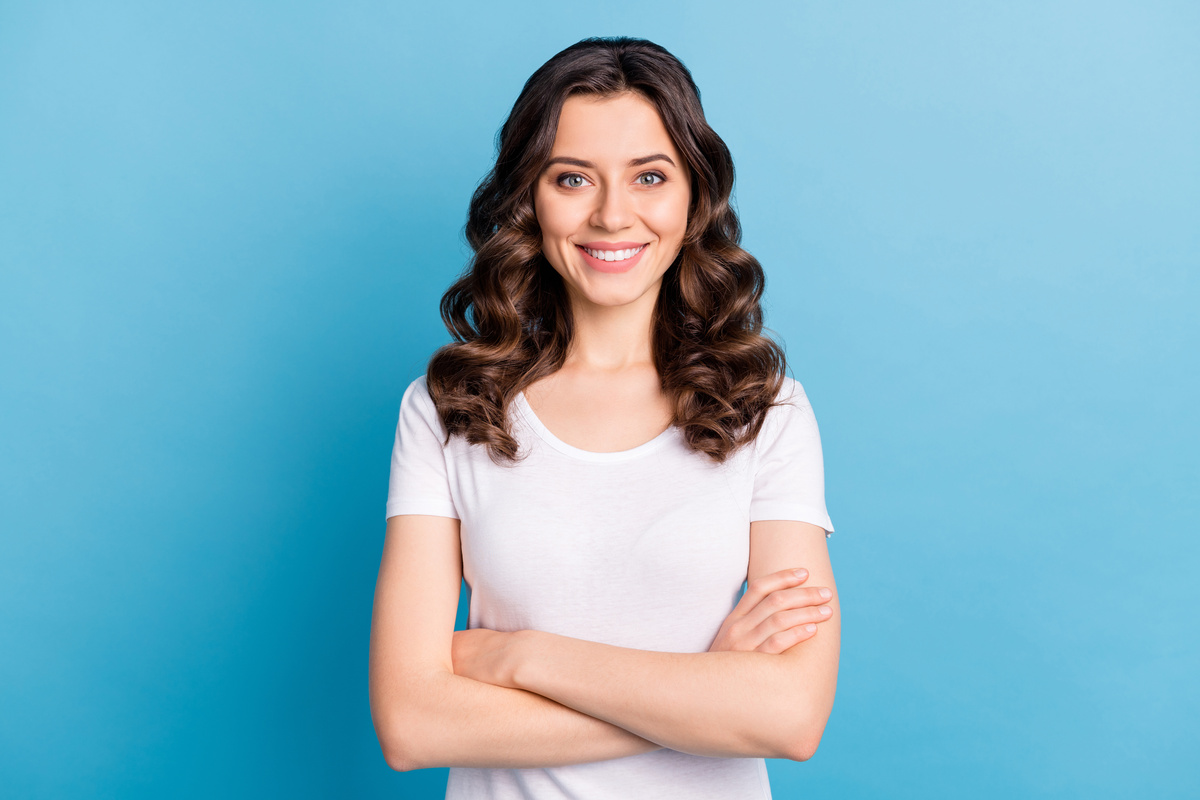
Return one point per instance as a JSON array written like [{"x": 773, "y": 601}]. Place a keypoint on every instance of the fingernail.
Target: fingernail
[
  {"x": 799, "y": 573},
  {"x": 826, "y": 593},
  {"x": 810, "y": 627}
]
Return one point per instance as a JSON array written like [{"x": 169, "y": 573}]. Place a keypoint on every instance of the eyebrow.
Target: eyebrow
[{"x": 579, "y": 162}]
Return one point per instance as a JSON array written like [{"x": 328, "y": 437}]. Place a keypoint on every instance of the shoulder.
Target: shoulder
[
  {"x": 790, "y": 419},
  {"x": 791, "y": 401},
  {"x": 417, "y": 393},
  {"x": 418, "y": 385},
  {"x": 792, "y": 393},
  {"x": 417, "y": 403}
]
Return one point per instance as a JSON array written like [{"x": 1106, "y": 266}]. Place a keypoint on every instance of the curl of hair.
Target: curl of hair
[{"x": 509, "y": 312}]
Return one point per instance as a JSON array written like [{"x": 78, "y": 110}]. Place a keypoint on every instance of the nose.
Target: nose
[{"x": 614, "y": 211}]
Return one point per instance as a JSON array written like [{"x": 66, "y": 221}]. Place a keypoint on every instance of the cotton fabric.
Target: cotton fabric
[{"x": 645, "y": 548}]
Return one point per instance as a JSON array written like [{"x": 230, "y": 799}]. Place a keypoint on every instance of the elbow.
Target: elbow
[
  {"x": 806, "y": 725},
  {"x": 801, "y": 735},
  {"x": 399, "y": 743},
  {"x": 400, "y": 764},
  {"x": 802, "y": 744},
  {"x": 804, "y": 749},
  {"x": 789, "y": 744},
  {"x": 399, "y": 723},
  {"x": 394, "y": 742},
  {"x": 397, "y": 760},
  {"x": 400, "y": 718}
]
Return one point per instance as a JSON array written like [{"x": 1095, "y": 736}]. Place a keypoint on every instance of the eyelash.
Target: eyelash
[{"x": 559, "y": 180}]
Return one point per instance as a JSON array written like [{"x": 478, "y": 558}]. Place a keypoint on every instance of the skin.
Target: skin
[
  {"x": 768, "y": 705},
  {"x": 607, "y": 395},
  {"x": 534, "y": 699},
  {"x": 774, "y": 614},
  {"x": 613, "y": 202}
]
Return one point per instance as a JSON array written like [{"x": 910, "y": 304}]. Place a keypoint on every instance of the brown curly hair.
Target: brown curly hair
[{"x": 509, "y": 311}]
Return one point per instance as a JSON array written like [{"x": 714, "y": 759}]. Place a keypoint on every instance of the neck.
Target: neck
[{"x": 612, "y": 338}]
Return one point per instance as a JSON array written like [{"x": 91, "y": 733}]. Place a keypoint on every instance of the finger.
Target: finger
[
  {"x": 785, "y": 640},
  {"x": 763, "y": 586},
  {"x": 792, "y": 618},
  {"x": 784, "y": 599},
  {"x": 788, "y": 619}
]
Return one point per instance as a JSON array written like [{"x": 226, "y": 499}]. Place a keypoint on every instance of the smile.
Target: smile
[
  {"x": 612, "y": 260},
  {"x": 613, "y": 255}
]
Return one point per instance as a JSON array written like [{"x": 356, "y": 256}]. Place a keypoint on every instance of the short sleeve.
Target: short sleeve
[
  {"x": 789, "y": 477},
  {"x": 419, "y": 482}
]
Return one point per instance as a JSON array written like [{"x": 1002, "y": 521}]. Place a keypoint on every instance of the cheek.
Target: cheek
[
  {"x": 551, "y": 223},
  {"x": 669, "y": 218},
  {"x": 553, "y": 218}
]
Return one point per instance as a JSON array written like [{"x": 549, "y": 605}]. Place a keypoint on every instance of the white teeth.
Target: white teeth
[{"x": 614, "y": 255}]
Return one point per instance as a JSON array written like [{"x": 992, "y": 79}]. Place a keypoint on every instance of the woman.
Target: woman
[{"x": 608, "y": 450}]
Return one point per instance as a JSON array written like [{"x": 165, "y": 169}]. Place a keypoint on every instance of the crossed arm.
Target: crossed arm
[{"x": 531, "y": 698}]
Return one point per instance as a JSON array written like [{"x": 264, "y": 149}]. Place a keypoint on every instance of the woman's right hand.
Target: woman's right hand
[{"x": 775, "y": 613}]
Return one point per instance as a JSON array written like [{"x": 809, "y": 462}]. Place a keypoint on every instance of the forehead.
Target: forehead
[{"x": 611, "y": 129}]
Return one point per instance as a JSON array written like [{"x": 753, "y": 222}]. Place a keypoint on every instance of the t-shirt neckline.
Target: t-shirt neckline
[{"x": 588, "y": 455}]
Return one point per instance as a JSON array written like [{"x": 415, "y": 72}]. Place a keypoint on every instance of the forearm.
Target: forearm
[
  {"x": 718, "y": 704},
  {"x": 462, "y": 722}
]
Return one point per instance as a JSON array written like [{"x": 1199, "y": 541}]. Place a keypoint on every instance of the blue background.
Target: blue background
[{"x": 224, "y": 231}]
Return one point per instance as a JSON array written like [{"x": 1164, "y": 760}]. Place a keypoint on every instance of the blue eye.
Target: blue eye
[{"x": 573, "y": 180}]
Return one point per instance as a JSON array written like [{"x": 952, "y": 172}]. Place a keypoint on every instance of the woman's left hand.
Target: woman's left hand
[{"x": 485, "y": 655}]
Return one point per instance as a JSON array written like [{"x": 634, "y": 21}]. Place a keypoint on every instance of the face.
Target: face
[{"x": 614, "y": 183}]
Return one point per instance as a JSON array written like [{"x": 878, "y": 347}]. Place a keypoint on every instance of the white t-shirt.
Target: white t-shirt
[{"x": 645, "y": 548}]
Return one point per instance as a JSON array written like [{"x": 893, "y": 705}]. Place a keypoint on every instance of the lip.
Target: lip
[
  {"x": 612, "y": 266},
  {"x": 611, "y": 245}
]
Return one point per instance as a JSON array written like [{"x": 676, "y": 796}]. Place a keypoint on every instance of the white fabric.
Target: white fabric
[{"x": 645, "y": 548}]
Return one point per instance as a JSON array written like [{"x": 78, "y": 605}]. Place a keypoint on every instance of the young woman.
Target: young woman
[{"x": 607, "y": 451}]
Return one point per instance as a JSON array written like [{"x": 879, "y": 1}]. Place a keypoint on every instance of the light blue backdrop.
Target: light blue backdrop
[{"x": 224, "y": 231}]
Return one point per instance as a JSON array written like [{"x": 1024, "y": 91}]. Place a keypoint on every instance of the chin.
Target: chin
[{"x": 614, "y": 298}]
